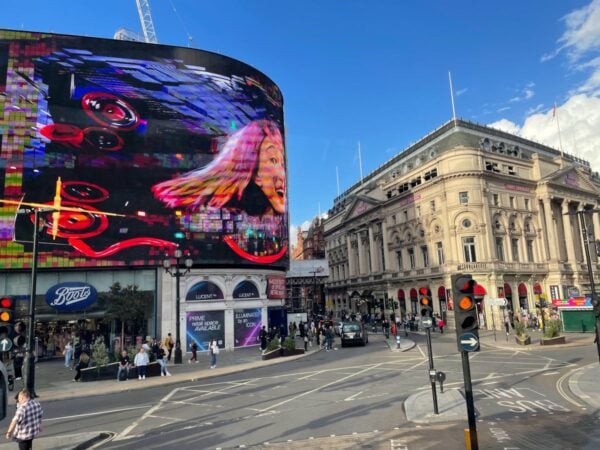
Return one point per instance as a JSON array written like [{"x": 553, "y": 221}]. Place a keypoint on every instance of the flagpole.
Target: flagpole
[
  {"x": 337, "y": 178},
  {"x": 452, "y": 97},
  {"x": 360, "y": 163},
  {"x": 558, "y": 127}
]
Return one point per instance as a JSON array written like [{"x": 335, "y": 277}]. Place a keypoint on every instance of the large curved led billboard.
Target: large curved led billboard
[{"x": 130, "y": 150}]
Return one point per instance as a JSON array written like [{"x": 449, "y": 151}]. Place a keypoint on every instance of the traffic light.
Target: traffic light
[
  {"x": 7, "y": 315},
  {"x": 425, "y": 303},
  {"x": 20, "y": 334},
  {"x": 465, "y": 309}
]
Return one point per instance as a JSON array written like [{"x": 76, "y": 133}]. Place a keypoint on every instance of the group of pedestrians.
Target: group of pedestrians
[{"x": 163, "y": 351}]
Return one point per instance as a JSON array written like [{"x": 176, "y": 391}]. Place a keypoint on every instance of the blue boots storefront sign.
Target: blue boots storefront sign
[{"x": 71, "y": 296}]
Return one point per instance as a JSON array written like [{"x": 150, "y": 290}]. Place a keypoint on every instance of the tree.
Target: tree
[
  {"x": 128, "y": 305},
  {"x": 99, "y": 352}
]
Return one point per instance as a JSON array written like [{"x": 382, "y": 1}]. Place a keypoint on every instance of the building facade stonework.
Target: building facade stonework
[{"x": 464, "y": 199}]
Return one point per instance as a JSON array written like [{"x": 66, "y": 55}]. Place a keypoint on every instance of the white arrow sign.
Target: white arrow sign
[{"x": 472, "y": 341}]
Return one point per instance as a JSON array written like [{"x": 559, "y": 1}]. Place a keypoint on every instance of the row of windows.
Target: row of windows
[{"x": 506, "y": 169}]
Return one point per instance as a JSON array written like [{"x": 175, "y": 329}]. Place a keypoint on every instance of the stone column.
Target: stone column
[
  {"x": 596, "y": 222},
  {"x": 550, "y": 230},
  {"x": 362, "y": 264},
  {"x": 351, "y": 259},
  {"x": 373, "y": 251},
  {"x": 569, "y": 238},
  {"x": 386, "y": 256}
]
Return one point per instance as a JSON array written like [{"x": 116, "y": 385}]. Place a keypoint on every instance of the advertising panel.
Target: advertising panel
[
  {"x": 275, "y": 287},
  {"x": 202, "y": 326},
  {"x": 246, "y": 326},
  {"x": 131, "y": 150}
]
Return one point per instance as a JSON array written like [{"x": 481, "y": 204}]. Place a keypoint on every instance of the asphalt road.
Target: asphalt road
[{"x": 348, "y": 398}]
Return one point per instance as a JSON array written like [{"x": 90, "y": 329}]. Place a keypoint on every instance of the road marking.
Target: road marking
[
  {"x": 352, "y": 397},
  {"x": 312, "y": 391},
  {"x": 97, "y": 413},
  {"x": 419, "y": 348},
  {"x": 550, "y": 373},
  {"x": 561, "y": 390},
  {"x": 147, "y": 414}
]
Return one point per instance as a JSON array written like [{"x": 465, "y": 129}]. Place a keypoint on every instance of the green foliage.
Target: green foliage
[
  {"x": 520, "y": 329},
  {"x": 553, "y": 328},
  {"x": 128, "y": 305},
  {"x": 289, "y": 343},
  {"x": 99, "y": 352},
  {"x": 272, "y": 345}
]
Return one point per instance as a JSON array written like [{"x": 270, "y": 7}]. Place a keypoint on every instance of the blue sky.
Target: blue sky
[{"x": 377, "y": 71}]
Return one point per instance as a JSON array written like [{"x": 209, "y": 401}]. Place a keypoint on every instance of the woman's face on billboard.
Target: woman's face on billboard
[{"x": 270, "y": 176}]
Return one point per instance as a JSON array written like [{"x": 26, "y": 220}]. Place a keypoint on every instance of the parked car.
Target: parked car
[
  {"x": 354, "y": 333},
  {"x": 337, "y": 327}
]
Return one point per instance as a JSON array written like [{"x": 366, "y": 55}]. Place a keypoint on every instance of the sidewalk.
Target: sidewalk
[{"x": 53, "y": 381}]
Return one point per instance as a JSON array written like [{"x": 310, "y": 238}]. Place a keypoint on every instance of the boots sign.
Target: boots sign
[{"x": 71, "y": 296}]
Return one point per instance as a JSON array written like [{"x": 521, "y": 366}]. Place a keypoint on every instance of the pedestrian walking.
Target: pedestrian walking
[
  {"x": 194, "y": 348},
  {"x": 507, "y": 326},
  {"x": 162, "y": 361},
  {"x": 305, "y": 343},
  {"x": 141, "y": 362},
  {"x": 169, "y": 344},
  {"x": 124, "y": 364},
  {"x": 84, "y": 360},
  {"x": 263, "y": 339},
  {"x": 214, "y": 351},
  {"x": 68, "y": 352},
  {"x": 27, "y": 421},
  {"x": 441, "y": 324}
]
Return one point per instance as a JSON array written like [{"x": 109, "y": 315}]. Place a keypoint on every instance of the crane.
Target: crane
[
  {"x": 143, "y": 8},
  {"x": 149, "y": 36}
]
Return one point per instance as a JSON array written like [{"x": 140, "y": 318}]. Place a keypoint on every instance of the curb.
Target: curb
[
  {"x": 392, "y": 345},
  {"x": 534, "y": 347}
]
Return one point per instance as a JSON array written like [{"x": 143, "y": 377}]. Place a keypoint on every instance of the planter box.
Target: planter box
[
  {"x": 525, "y": 341},
  {"x": 296, "y": 351},
  {"x": 553, "y": 341},
  {"x": 109, "y": 372},
  {"x": 272, "y": 354}
]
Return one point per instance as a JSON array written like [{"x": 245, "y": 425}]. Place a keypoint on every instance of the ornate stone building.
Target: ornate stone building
[{"x": 464, "y": 199}]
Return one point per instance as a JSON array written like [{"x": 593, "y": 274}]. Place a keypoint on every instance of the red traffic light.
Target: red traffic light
[
  {"x": 423, "y": 290},
  {"x": 6, "y": 302},
  {"x": 465, "y": 284}
]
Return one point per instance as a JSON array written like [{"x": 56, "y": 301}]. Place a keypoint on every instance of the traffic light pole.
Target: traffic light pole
[
  {"x": 586, "y": 242},
  {"x": 472, "y": 443},
  {"x": 31, "y": 335},
  {"x": 432, "y": 370}
]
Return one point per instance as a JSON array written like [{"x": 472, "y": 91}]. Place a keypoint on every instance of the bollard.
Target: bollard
[{"x": 398, "y": 341}]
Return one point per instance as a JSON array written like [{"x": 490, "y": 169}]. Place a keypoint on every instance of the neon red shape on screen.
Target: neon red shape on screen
[
  {"x": 257, "y": 259},
  {"x": 80, "y": 224},
  {"x": 82, "y": 191},
  {"x": 62, "y": 132},
  {"x": 110, "y": 111},
  {"x": 84, "y": 248}
]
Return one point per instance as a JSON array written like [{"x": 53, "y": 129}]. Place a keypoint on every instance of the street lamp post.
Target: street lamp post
[
  {"x": 31, "y": 334},
  {"x": 176, "y": 271}
]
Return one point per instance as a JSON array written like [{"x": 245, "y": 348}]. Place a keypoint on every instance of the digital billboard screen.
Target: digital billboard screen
[{"x": 130, "y": 150}]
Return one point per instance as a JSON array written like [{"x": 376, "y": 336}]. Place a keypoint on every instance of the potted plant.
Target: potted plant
[
  {"x": 552, "y": 335},
  {"x": 522, "y": 337}
]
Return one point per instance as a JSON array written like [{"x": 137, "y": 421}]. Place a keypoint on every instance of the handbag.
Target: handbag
[{"x": 216, "y": 350}]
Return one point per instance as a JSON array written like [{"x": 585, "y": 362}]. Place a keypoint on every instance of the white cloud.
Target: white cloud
[
  {"x": 460, "y": 92},
  {"x": 579, "y": 122},
  {"x": 506, "y": 126},
  {"x": 579, "y": 115},
  {"x": 525, "y": 94}
]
